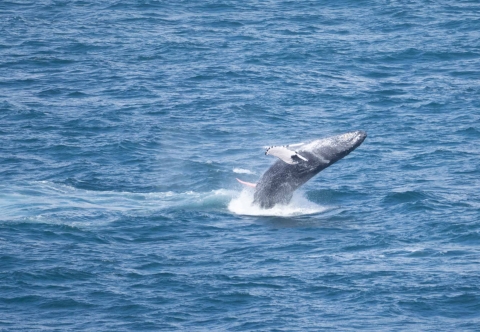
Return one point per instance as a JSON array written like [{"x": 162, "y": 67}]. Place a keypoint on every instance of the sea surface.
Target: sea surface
[{"x": 123, "y": 125}]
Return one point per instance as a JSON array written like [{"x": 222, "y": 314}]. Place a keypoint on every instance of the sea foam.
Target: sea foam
[{"x": 299, "y": 205}]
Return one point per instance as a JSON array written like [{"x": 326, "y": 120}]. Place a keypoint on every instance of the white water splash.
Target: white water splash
[
  {"x": 242, "y": 171},
  {"x": 299, "y": 205},
  {"x": 48, "y": 202}
]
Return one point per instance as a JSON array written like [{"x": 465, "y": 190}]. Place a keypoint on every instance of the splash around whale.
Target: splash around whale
[{"x": 297, "y": 164}]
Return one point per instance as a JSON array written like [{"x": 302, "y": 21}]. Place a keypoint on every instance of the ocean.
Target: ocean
[{"x": 124, "y": 125}]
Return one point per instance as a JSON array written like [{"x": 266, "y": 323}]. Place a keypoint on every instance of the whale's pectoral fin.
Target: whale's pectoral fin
[
  {"x": 285, "y": 154},
  {"x": 253, "y": 185}
]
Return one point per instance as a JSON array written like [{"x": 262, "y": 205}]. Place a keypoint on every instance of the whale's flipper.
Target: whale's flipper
[
  {"x": 285, "y": 154},
  {"x": 253, "y": 185}
]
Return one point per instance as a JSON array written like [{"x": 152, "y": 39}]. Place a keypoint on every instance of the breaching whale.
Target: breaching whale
[{"x": 298, "y": 163}]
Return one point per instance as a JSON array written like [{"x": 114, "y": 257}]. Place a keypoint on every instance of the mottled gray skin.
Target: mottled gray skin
[{"x": 280, "y": 181}]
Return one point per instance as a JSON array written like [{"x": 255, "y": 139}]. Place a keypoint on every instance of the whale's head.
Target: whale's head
[
  {"x": 350, "y": 141},
  {"x": 331, "y": 149}
]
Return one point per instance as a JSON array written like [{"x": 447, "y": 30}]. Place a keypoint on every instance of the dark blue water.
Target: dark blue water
[{"x": 124, "y": 124}]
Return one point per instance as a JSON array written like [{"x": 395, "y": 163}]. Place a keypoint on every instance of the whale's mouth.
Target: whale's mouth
[{"x": 361, "y": 134}]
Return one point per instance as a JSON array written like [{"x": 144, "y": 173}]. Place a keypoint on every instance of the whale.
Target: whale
[{"x": 298, "y": 163}]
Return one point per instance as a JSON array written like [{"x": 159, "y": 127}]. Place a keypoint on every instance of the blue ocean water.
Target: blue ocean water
[{"x": 124, "y": 124}]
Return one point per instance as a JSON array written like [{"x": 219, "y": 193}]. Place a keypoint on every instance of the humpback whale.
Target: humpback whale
[{"x": 298, "y": 163}]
